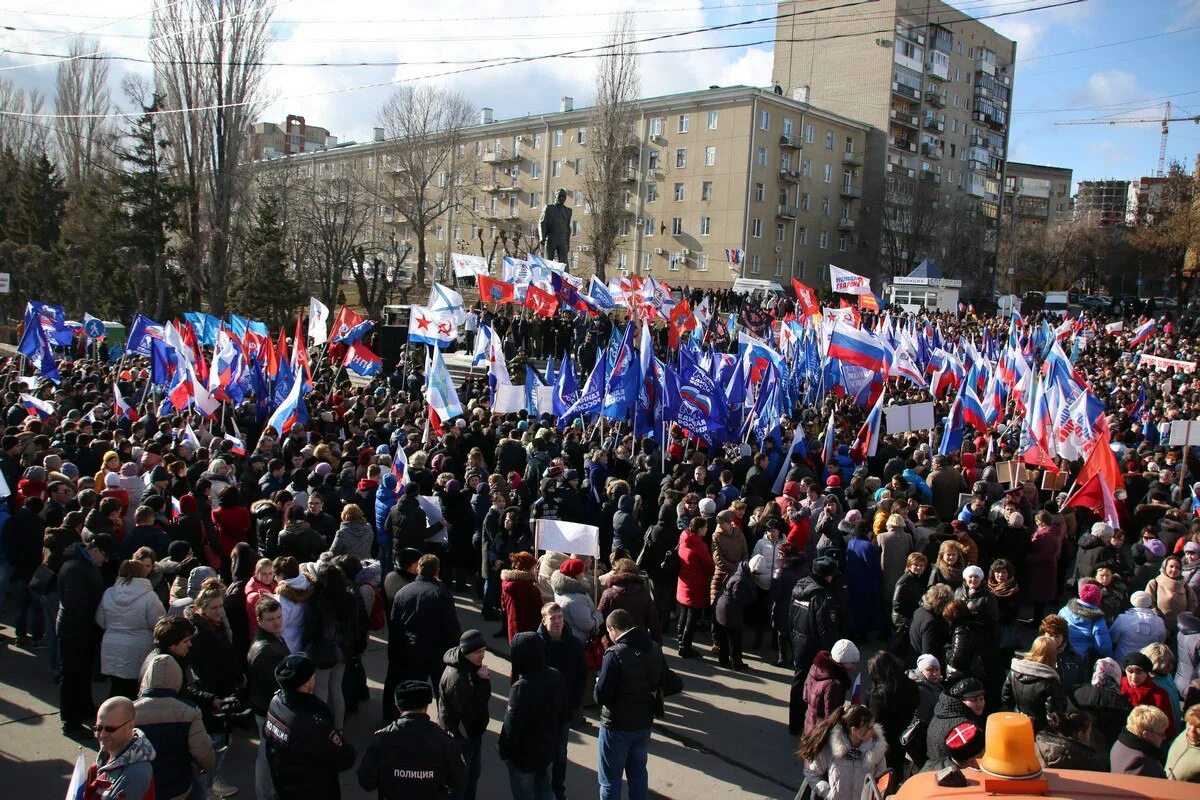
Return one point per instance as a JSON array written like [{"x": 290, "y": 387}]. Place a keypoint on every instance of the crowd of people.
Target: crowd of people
[{"x": 221, "y": 593}]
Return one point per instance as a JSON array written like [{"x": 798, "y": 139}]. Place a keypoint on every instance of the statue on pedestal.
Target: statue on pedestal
[{"x": 554, "y": 228}]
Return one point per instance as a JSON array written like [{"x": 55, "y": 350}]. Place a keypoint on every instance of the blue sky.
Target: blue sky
[{"x": 1080, "y": 60}]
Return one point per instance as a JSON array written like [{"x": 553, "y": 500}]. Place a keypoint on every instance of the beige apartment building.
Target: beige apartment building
[
  {"x": 934, "y": 83},
  {"x": 1037, "y": 195},
  {"x": 714, "y": 173},
  {"x": 269, "y": 140}
]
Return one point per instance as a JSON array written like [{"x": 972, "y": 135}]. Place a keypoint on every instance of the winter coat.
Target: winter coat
[
  {"x": 332, "y": 627},
  {"x": 696, "y": 571},
  {"x": 521, "y": 600},
  {"x": 566, "y": 656},
  {"x": 863, "y": 579},
  {"x": 1033, "y": 689},
  {"x": 736, "y": 596},
  {"x": 579, "y": 610},
  {"x": 80, "y": 589},
  {"x": 23, "y": 536},
  {"x": 1091, "y": 553},
  {"x": 894, "y": 548},
  {"x": 906, "y": 597},
  {"x": 631, "y": 593},
  {"x": 268, "y": 523},
  {"x": 1187, "y": 652},
  {"x": 301, "y": 541},
  {"x": 928, "y": 634},
  {"x": 1056, "y": 751},
  {"x": 293, "y": 595},
  {"x": 537, "y": 708},
  {"x": 659, "y": 539},
  {"x": 1134, "y": 629},
  {"x": 814, "y": 621},
  {"x": 1171, "y": 596},
  {"x": 128, "y": 613},
  {"x": 129, "y": 775},
  {"x": 949, "y": 713},
  {"x": 1041, "y": 559},
  {"x": 893, "y": 708},
  {"x": 266, "y": 651},
  {"x": 627, "y": 532},
  {"x": 1087, "y": 630},
  {"x": 213, "y": 660},
  {"x": 781, "y": 593},
  {"x": 729, "y": 550},
  {"x": 233, "y": 526},
  {"x": 423, "y": 625},
  {"x": 1133, "y": 755},
  {"x": 1150, "y": 694},
  {"x": 463, "y": 710},
  {"x": 1183, "y": 760},
  {"x": 173, "y": 725},
  {"x": 385, "y": 498},
  {"x": 353, "y": 538},
  {"x": 839, "y": 772},
  {"x": 254, "y": 591},
  {"x": 1107, "y": 706}
]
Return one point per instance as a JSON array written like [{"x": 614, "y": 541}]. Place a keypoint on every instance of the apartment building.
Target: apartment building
[
  {"x": 1145, "y": 195},
  {"x": 934, "y": 83},
  {"x": 1103, "y": 202},
  {"x": 721, "y": 183},
  {"x": 269, "y": 140},
  {"x": 1037, "y": 195}
]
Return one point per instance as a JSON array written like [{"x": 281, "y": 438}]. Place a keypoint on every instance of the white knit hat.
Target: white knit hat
[
  {"x": 926, "y": 661},
  {"x": 844, "y": 652}
]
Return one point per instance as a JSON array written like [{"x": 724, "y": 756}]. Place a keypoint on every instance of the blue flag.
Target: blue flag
[
  {"x": 591, "y": 399},
  {"x": 35, "y": 346},
  {"x": 696, "y": 404},
  {"x": 622, "y": 382},
  {"x": 566, "y": 390},
  {"x": 532, "y": 382},
  {"x": 162, "y": 362}
]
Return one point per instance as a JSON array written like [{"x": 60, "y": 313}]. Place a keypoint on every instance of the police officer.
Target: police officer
[
  {"x": 413, "y": 758},
  {"x": 304, "y": 751},
  {"x": 814, "y": 625}
]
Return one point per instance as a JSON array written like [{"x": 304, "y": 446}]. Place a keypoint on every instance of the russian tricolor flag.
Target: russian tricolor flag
[
  {"x": 1142, "y": 333},
  {"x": 400, "y": 470},
  {"x": 239, "y": 447},
  {"x": 867, "y": 442},
  {"x": 122, "y": 408},
  {"x": 972, "y": 409},
  {"x": 856, "y": 346},
  {"x": 42, "y": 408}
]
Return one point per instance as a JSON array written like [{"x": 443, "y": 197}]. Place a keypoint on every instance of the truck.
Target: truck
[{"x": 1057, "y": 303}]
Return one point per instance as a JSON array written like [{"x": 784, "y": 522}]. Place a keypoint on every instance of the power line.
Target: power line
[{"x": 1107, "y": 44}]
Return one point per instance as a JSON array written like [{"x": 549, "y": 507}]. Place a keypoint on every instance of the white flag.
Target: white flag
[
  {"x": 843, "y": 281},
  {"x": 78, "y": 778},
  {"x": 318, "y": 321},
  {"x": 443, "y": 298}
]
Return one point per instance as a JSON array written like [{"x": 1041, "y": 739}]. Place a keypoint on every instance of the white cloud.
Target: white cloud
[{"x": 1111, "y": 87}]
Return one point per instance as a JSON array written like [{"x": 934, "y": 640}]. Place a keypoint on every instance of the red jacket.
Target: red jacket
[
  {"x": 1150, "y": 694},
  {"x": 254, "y": 591},
  {"x": 233, "y": 526},
  {"x": 521, "y": 600},
  {"x": 696, "y": 569}
]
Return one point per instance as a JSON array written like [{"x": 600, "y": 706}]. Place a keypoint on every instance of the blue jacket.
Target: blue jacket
[
  {"x": 1087, "y": 630},
  {"x": 385, "y": 498},
  {"x": 924, "y": 493}
]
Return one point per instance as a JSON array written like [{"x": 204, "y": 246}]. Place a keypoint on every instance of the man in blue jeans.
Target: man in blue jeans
[{"x": 629, "y": 679}]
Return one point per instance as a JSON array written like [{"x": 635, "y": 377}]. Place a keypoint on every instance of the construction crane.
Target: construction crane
[{"x": 1162, "y": 142}]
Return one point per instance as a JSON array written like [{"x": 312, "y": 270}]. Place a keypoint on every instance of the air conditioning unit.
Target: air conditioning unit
[
  {"x": 640, "y": 222},
  {"x": 685, "y": 252},
  {"x": 658, "y": 251}
]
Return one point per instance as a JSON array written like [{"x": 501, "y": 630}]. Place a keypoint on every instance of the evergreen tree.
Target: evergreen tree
[
  {"x": 265, "y": 289},
  {"x": 41, "y": 201}
]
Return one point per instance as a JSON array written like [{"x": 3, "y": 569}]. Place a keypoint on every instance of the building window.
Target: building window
[
  {"x": 651, "y": 192},
  {"x": 678, "y": 193},
  {"x": 806, "y": 167},
  {"x": 843, "y": 243},
  {"x": 558, "y": 138},
  {"x": 535, "y": 170},
  {"x": 783, "y": 196},
  {"x": 787, "y": 126},
  {"x": 676, "y": 226},
  {"x": 764, "y": 120},
  {"x": 534, "y": 200},
  {"x": 704, "y": 223},
  {"x": 684, "y": 120},
  {"x": 825, "y": 206},
  {"x": 555, "y": 168},
  {"x": 958, "y": 74},
  {"x": 710, "y": 156},
  {"x": 755, "y": 263},
  {"x": 706, "y": 190},
  {"x": 646, "y": 261},
  {"x": 971, "y": 53},
  {"x": 673, "y": 261},
  {"x": 756, "y": 228},
  {"x": 581, "y": 136},
  {"x": 712, "y": 120},
  {"x": 802, "y": 235},
  {"x": 780, "y": 232},
  {"x": 759, "y": 193},
  {"x": 656, "y": 126},
  {"x": 828, "y": 140},
  {"x": 829, "y": 173},
  {"x": 437, "y": 232},
  {"x": 537, "y": 141},
  {"x": 702, "y": 262},
  {"x": 652, "y": 160},
  {"x": 681, "y": 157},
  {"x": 648, "y": 226},
  {"x": 623, "y": 260},
  {"x": 808, "y": 133},
  {"x": 762, "y": 156},
  {"x": 778, "y": 267},
  {"x": 579, "y": 166},
  {"x": 805, "y": 202},
  {"x": 785, "y": 161},
  {"x": 824, "y": 240},
  {"x": 849, "y": 144}
]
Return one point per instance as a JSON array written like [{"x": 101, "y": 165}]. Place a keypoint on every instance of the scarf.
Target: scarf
[{"x": 1006, "y": 589}]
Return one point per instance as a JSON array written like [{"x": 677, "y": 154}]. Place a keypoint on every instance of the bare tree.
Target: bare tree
[
  {"x": 428, "y": 168},
  {"x": 21, "y": 135},
  {"x": 81, "y": 89},
  {"x": 611, "y": 141},
  {"x": 965, "y": 243},
  {"x": 909, "y": 225},
  {"x": 372, "y": 279},
  {"x": 334, "y": 210},
  {"x": 208, "y": 68}
]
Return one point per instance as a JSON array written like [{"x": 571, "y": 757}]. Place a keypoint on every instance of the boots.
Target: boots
[{"x": 783, "y": 657}]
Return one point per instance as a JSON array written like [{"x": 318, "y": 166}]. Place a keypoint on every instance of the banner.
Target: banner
[
  {"x": 567, "y": 537},
  {"x": 1184, "y": 433},
  {"x": 1160, "y": 363},
  {"x": 509, "y": 400},
  {"x": 466, "y": 266},
  {"x": 915, "y": 417},
  {"x": 843, "y": 315},
  {"x": 516, "y": 271},
  {"x": 844, "y": 281}
]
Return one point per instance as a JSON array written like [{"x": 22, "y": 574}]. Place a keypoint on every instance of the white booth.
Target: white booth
[{"x": 924, "y": 288}]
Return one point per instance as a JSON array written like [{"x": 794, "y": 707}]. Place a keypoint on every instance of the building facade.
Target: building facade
[
  {"x": 1145, "y": 195},
  {"x": 934, "y": 83},
  {"x": 1104, "y": 202},
  {"x": 721, "y": 183},
  {"x": 269, "y": 140},
  {"x": 1037, "y": 195}
]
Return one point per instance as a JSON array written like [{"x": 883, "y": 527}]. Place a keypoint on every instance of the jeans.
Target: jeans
[
  {"x": 264, "y": 788},
  {"x": 29, "y": 609},
  {"x": 329, "y": 689},
  {"x": 385, "y": 557},
  {"x": 623, "y": 752},
  {"x": 530, "y": 785},
  {"x": 220, "y": 743},
  {"x": 558, "y": 769},
  {"x": 472, "y": 751}
]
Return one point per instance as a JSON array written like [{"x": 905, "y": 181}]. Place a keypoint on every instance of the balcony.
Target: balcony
[
  {"x": 845, "y": 224},
  {"x": 630, "y": 175},
  {"x": 903, "y": 144},
  {"x": 501, "y": 156},
  {"x": 988, "y": 119},
  {"x": 908, "y": 62},
  {"x": 495, "y": 214},
  {"x": 901, "y": 170},
  {"x": 629, "y": 208},
  {"x": 850, "y": 191},
  {"x": 911, "y": 33},
  {"x": 931, "y": 176},
  {"x": 789, "y": 175},
  {"x": 791, "y": 140},
  {"x": 903, "y": 118},
  {"x": 935, "y": 98},
  {"x": 496, "y": 188},
  {"x": 907, "y": 92},
  {"x": 985, "y": 66},
  {"x": 852, "y": 159},
  {"x": 935, "y": 124},
  {"x": 939, "y": 70},
  {"x": 787, "y": 212},
  {"x": 930, "y": 151}
]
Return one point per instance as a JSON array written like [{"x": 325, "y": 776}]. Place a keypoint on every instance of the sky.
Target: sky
[{"x": 1082, "y": 60}]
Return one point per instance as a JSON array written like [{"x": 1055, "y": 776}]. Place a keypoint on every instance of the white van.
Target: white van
[
  {"x": 756, "y": 287},
  {"x": 1057, "y": 303}
]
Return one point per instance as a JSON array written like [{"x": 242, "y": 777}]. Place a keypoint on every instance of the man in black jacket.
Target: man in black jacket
[
  {"x": 267, "y": 652},
  {"x": 814, "y": 627},
  {"x": 564, "y": 652},
  {"x": 533, "y": 722},
  {"x": 304, "y": 750},
  {"x": 406, "y": 522},
  {"x": 80, "y": 589},
  {"x": 412, "y": 758},
  {"x": 629, "y": 680},
  {"x": 466, "y": 687},
  {"x": 423, "y": 625}
]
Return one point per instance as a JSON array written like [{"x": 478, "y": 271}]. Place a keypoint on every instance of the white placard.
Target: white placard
[
  {"x": 509, "y": 399},
  {"x": 545, "y": 399},
  {"x": 568, "y": 537},
  {"x": 467, "y": 266},
  {"x": 1185, "y": 433},
  {"x": 914, "y": 417},
  {"x": 5, "y": 283}
]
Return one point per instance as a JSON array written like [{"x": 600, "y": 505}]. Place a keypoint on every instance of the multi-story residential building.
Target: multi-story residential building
[
  {"x": 1037, "y": 195},
  {"x": 1103, "y": 202},
  {"x": 934, "y": 83},
  {"x": 268, "y": 140},
  {"x": 712, "y": 174},
  {"x": 1145, "y": 195}
]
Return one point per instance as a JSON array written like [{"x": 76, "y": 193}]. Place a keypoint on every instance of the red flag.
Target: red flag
[
  {"x": 681, "y": 316},
  {"x": 542, "y": 302},
  {"x": 270, "y": 361},
  {"x": 189, "y": 338},
  {"x": 281, "y": 351},
  {"x": 1095, "y": 495},
  {"x": 300, "y": 351},
  {"x": 434, "y": 422},
  {"x": 807, "y": 299},
  {"x": 868, "y": 302},
  {"x": 494, "y": 291},
  {"x": 1102, "y": 462}
]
